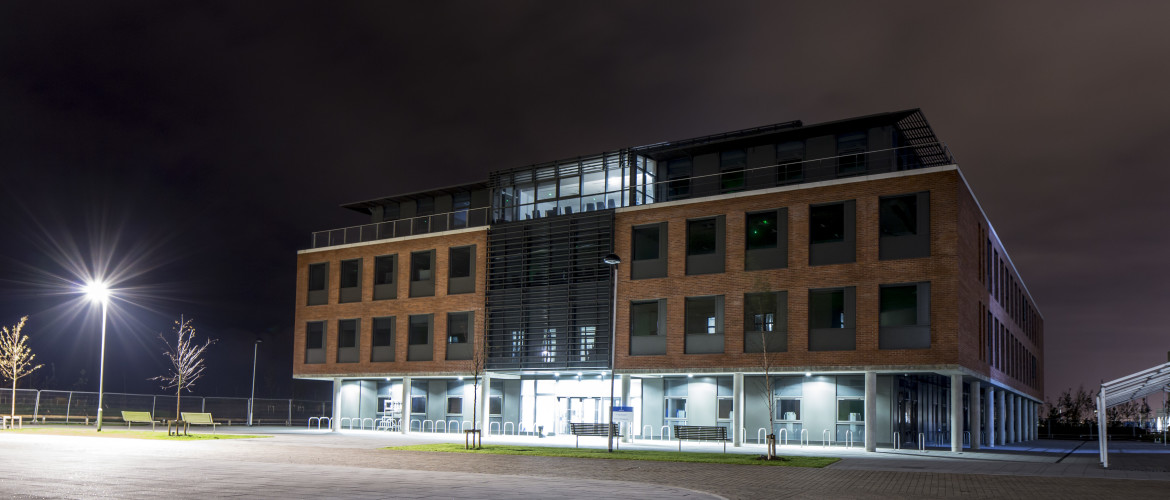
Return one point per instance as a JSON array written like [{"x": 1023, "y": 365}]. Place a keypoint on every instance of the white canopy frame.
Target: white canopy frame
[{"x": 1127, "y": 388}]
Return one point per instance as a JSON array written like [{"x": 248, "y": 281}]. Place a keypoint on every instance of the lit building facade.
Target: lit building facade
[{"x": 847, "y": 265}]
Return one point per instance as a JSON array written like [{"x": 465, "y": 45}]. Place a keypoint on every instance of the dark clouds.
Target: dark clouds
[{"x": 221, "y": 134}]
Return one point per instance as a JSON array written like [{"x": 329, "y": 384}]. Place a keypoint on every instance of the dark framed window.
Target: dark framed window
[
  {"x": 418, "y": 404},
  {"x": 831, "y": 314},
  {"x": 495, "y": 405},
  {"x": 385, "y": 283},
  {"x": 790, "y": 162},
  {"x": 827, "y": 223},
  {"x": 318, "y": 281},
  {"x": 904, "y": 226},
  {"x": 851, "y": 149},
  {"x": 678, "y": 175},
  {"x": 347, "y": 333},
  {"x": 644, "y": 318},
  {"x": 458, "y": 328},
  {"x": 422, "y": 273},
  {"x": 382, "y": 339},
  {"x": 705, "y": 245},
  {"x": 315, "y": 342},
  {"x": 827, "y": 308},
  {"x": 904, "y": 316},
  {"x": 648, "y": 247},
  {"x": 704, "y": 315},
  {"x": 731, "y": 165},
  {"x": 765, "y": 322},
  {"x": 460, "y": 261},
  {"x": 454, "y": 405},
  {"x": 762, "y": 230},
  {"x": 418, "y": 338},
  {"x": 350, "y": 281},
  {"x": 315, "y": 335},
  {"x": 461, "y": 270}
]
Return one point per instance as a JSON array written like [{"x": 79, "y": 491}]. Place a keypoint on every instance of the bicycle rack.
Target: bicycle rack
[
  {"x": 826, "y": 438},
  {"x": 412, "y": 421},
  {"x": 435, "y": 426},
  {"x": 505, "y": 431},
  {"x": 319, "y": 420},
  {"x": 803, "y": 437},
  {"x": 967, "y": 437},
  {"x": 363, "y": 424},
  {"x": 424, "y": 426},
  {"x": 848, "y": 439},
  {"x": 644, "y": 427},
  {"x": 665, "y": 432},
  {"x": 497, "y": 424},
  {"x": 760, "y": 435},
  {"x": 782, "y": 438},
  {"x": 921, "y": 442}
]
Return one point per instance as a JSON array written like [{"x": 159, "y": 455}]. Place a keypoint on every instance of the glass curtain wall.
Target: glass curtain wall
[{"x": 599, "y": 182}]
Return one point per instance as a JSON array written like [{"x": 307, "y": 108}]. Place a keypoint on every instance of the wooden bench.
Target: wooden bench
[
  {"x": 583, "y": 429},
  {"x": 200, "y": 419},
  {"x": 700, "y": 433},
  {"x": 137, "y": 417}
]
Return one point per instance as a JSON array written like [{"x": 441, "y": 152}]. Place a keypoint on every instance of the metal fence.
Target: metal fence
[{"x": 75, "y": 407}]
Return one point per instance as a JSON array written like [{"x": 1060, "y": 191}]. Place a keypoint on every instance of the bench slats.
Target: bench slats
[{"x": 700, "y": 433}]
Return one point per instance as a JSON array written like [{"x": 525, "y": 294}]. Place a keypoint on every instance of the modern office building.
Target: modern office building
[{"x": 846, "y": 264}]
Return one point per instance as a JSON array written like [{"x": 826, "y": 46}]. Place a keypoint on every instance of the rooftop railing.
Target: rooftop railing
[{"x": 423, "y": 224}]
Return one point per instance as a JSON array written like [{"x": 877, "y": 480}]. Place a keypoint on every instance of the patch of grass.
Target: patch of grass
[
  {"x": 125, "y": 434},
  {"x": 651, "y": 455}
]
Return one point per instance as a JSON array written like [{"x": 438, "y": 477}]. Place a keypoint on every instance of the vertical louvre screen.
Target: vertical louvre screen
[{"x": 549, "y": 293}]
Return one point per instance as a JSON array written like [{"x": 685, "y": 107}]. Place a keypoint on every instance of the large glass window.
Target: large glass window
[
  {"x": 315, "y": 335},
  {"x": 851, "y": 153},
  {"x": 420, "y": 327},
  {"x": 460, "y": 262},
  {"x": 318, "y": 275},
  {"x": 899, "y": 305},
  {"x": 384, "y": 269},
  {"x": 350, "y": 281},
  {"x": 678, "y": 173},
  {"x": 724, "y": 410},
  {"x": 760, "y": 312},
  {"x": 347, "y": 333},
  {"x": 454, "y": 405},
  {"x": 899, "y": 215},
  {"x": 732, "y": 164},
  {"x": 788, "y": 409},
  {"x": 382, "y": 341},
  {"x": 827, "y": 223},
  {"x": 761, "y": 230},
  {"x": 421, "y": 266},
  {"x": 827, "y": 308},
  {"x": 646, "y": 242},
  {"x": 701, "y": 237},
  {"x": 418, "y": 404},
  {"x": 704, "y": 315},
  {"x": 644, "y": 318},
  {"x": 851, "y": 410},
  {"x": 790, "y": 158},
  {"x": 676, "y": 408},
  {"x": 458, "y": 327}
]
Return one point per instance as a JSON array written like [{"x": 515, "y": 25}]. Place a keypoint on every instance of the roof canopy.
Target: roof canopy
[{"x": 1130, "y": 387}]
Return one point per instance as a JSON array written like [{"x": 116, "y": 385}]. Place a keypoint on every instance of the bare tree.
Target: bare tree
[
  {"x": 478, "y": 358},
  {"x": 769, "y": 395},
  {"x": 15, "y": 357},
  {"x": 186, "y": 360}
]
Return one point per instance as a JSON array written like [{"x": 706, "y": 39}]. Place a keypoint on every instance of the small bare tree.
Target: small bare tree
[
  {"x": 15, "y": 356},
  {"x": 769, "y": 395},
  {"x": 186, "y": 360},
  {"x": 478, "y": 358}
]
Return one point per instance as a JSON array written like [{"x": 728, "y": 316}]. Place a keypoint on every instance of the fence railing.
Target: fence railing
[
  {"x": 422, "y": 224},
  {"x": 77, "y": 407}
]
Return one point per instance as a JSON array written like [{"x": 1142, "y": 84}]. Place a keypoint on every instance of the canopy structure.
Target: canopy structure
[{"x": 1127, "y": 388}]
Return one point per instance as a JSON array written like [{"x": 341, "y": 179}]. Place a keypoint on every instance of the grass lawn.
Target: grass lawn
[
  {"x": 656, "y": 456},
  {"x": 125, "y": 434}
]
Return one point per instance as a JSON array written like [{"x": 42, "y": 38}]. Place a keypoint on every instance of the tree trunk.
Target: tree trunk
[
  {"x": 178, "y": 401},
  {"x": 13, "y": 398}
]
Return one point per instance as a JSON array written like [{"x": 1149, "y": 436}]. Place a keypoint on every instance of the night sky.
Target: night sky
[{"x": 195, "y": 146}]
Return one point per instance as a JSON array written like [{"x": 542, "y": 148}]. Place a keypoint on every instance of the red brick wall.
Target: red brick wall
[
  {"x": 401, "y": 308},
  {"x": 866, "y": 275}
]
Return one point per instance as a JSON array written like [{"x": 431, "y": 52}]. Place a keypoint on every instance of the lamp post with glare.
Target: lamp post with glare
[
  {"x": 613, "y": 261},
  {"x": 252, "y": 399},
  {"x": 97, "y": 292}
]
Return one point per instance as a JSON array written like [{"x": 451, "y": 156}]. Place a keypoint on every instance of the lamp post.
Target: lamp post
[
  {"x": 613, "y": 261},
  {"x": 98, "y": 292},
  {"x": 252, "y": 399}
]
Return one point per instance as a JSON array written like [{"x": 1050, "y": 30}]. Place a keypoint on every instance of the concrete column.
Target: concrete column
[
  {"x": 976, "y": 404},
  {"x": 956, "y": 413},
  {"x": 999, "y": 418},
  {"x": 870, "y": 411},
  {"x": 335, "y": 424},
  {"x": 626, "y": 402},
  {"x": 485, "y": 411},
  {"x": 1018, "y": 407},
  {"x": 737, "y": 409},
  {"x": 1012, "y": 419},
  {"x": 992, "y": 419},
  {"x": 404, "y": 425}
]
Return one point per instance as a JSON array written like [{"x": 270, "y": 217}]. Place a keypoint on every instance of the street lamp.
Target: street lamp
[
  {"x": 98, "y": 292},
  {"x": 612, "y": 260},
  {"x": 252, "y": 400}
]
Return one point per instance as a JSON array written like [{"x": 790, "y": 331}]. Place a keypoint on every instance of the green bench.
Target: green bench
[
  {"x": 137, "y": 417},
  {"x": 200, "y": 419}
]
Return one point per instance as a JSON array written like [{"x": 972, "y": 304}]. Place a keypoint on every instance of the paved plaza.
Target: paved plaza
[{"x": 295, "y": 463}]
